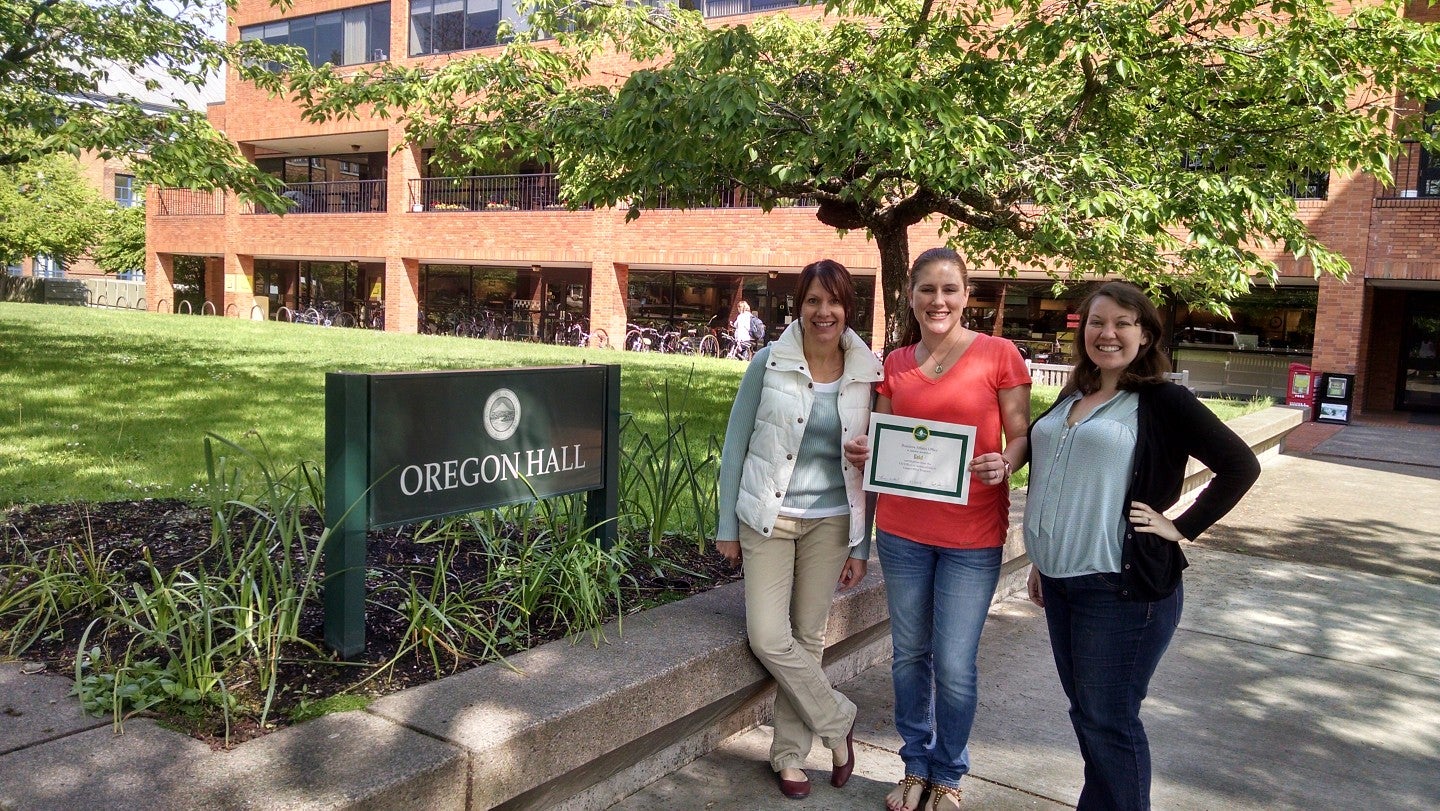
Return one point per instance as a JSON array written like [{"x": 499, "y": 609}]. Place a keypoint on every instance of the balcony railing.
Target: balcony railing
[
  {"x": 725, "y": 8},
  {"x": 722, "y": 197},
  {"x": 540, "y": 192},
  {"x": 188, "y": 202},
  {"x": 535, "y": 192},
  {"x": 1416, "y": 172},
  {"x": 334, "y": 197}
]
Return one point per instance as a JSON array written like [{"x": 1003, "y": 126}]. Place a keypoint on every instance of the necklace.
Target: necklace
[{"x": 940, "y": 364}]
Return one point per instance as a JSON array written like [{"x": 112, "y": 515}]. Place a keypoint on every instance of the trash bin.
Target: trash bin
[{"x": 1333, "y": 398}]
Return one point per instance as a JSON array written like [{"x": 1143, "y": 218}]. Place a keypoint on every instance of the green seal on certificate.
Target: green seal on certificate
[{"x": 920, "y": 458}]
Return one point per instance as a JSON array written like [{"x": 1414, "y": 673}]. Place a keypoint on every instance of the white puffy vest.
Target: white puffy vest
[{"x": 785, "y": 400}]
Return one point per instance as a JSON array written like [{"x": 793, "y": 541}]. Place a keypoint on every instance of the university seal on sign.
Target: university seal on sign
[{"x": 502, "y": 414}]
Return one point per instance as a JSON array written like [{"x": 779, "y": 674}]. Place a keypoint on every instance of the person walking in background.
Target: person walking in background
[
  {"x": 793, "y": 514},
  {"x": 942, "y": 560},
  {"x": 741, "y": 325},
  {"x": 1107, "y": 460}
]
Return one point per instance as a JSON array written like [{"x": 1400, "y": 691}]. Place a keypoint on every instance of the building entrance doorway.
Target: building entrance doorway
[{"x": 1419, "y": 366}]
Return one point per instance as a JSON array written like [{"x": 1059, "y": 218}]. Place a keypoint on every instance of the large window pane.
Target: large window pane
[
  {"x": 482, "y": 18},
  {"x": 380, "y": 32},
  {"x": 420, "y": 17},
  {"x": 449, "y": 26},
  {"x": 302, "y": 34},
  {"x": 357, "y": 41},
  {"x": 329, "y": 39}
]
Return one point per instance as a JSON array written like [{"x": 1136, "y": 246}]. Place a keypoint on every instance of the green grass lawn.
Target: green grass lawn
[{"x": 104, "y": 405}]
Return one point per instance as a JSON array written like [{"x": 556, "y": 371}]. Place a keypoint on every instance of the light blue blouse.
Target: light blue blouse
[{"x": 1075, "y": 509}]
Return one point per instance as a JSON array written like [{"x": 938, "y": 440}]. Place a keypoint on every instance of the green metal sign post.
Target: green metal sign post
[{"x": 405, "y": 447}]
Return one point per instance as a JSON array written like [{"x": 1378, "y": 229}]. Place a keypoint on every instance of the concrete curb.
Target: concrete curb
[{"x": 571, "y": 724}]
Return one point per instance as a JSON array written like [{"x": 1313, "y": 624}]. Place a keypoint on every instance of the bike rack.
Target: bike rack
[
  {"x": 285, "y": 314},
  {"x": 161, "y": 303},
  {"x": 121, "y": 303},
  {"x": 208, "y": 308},
  {"x": 231, "y": 310}
]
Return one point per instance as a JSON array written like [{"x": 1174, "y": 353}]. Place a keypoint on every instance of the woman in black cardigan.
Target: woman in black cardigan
[{"x": 1107, "y": 460}]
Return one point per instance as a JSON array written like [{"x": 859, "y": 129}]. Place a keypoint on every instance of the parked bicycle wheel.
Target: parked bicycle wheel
[
  {"x": 634, "y": 341},
  {"x": 710, "y": 346},
  {"x": 600, "y": 339},
  {"x": 344, "y": 320}
]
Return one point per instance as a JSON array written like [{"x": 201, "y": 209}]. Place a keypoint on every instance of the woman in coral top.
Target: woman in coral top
[{"x": 942, "y": 561}]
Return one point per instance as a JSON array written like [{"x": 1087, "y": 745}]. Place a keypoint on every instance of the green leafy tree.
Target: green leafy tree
[
  {"x": 55, "y": 57},
  {"x": 122, "y": 245},
  {"x": 47, "y": 209},
  {"x": 1154, "y": 140}
]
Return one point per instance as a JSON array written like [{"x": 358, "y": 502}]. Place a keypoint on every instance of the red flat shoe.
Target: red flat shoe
[
  {"x": 841, "y": 775},
  {"x": 794, "y": 789}
]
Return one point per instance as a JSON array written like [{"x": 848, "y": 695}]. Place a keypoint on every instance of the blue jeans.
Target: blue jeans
[
  {"x": 1106, "y": 649},
  {"x": 938, "y": 598}
]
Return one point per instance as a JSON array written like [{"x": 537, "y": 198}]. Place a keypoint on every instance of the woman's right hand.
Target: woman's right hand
[
  {"x": 730, "y": 550},
  {"x": 857, "y": 450},
  {"x": 1032, "y": 585}
]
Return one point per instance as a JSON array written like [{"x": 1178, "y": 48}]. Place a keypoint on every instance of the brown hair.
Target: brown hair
[
  {"x": 835, "y": 278},
  {"x": 933, "y": 256},
  {"x": 1150, "y": 364}
]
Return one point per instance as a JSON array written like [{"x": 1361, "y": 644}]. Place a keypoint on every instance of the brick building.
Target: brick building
[{"x": 367, "y": 233}]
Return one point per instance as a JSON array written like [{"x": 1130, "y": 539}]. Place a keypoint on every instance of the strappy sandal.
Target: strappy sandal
[
  {"x": 904, "y": 787},
  {"x": 939, "y": 793}
]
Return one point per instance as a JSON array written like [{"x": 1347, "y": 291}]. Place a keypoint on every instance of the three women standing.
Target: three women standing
[
  {"x": 942, "y": 561},
  {"x": 792, "y": 511},
  {"x": 1107, "y": 460}
]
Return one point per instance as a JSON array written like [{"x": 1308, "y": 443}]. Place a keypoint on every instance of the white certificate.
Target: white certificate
[{"x": 920, "y": 458}]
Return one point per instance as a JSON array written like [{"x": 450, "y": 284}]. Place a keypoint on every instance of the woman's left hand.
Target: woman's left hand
[
  {"x": 991, "y": 468},
  {"x": 853, "y": 572},
  {"x": 1153, "y": 522}
]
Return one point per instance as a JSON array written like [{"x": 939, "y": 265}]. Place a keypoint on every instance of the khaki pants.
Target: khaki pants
[{"x": 790, "y": 581}]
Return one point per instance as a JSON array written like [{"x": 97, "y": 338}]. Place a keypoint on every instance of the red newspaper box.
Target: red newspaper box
[{"x": 1300, "y": 390}]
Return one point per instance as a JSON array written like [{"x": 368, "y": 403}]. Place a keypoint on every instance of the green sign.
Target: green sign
[
  {"x": 450, "y": 442},
  {"x": 404, "y": 447}
]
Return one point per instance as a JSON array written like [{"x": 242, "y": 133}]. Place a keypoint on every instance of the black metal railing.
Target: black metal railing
[
  {"x": 533, "y": 192},
  {"x": 188, "y": 202},
  {"x": 721, "y": 197},
  {"x": 540, "y": 192},
  {"x": 1416, "y": 173},
  {"x": 334, "y": 197}
]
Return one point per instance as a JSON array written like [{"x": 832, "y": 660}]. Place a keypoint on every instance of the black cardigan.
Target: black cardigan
[{"x": 1173, "y": 426}]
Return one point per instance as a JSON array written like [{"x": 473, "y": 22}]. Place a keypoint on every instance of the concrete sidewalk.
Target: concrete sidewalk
[{"x": 1304, "y": 674}]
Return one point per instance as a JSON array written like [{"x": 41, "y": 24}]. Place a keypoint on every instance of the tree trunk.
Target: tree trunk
[{"x": 894, "y": 245}]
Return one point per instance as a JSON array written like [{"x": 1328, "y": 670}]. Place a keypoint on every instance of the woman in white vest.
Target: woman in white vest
[{"x": 792, "y": 511}]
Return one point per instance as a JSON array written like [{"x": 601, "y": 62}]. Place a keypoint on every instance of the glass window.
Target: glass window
[
  {"x": 482, "y": 19},
  {"x": 302, "y": 35},
  {"x": 125, "y": 195},
  {"x": 420, "y": 14},
  {"x": 329, "y": 39},
  {"x": 379, "y": 32},
  {"x": 448, "y": 32},
  {"x": 15, "y": 270},
  {"x": 48, "y": 268},
  {"x": 347, "y": 37}
]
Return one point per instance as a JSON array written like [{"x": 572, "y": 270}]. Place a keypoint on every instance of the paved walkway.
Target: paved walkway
[{"x": 1304, "y": 674}]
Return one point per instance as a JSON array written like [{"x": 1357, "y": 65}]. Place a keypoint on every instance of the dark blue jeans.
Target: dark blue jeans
[{"x": 1106, "y": 649}]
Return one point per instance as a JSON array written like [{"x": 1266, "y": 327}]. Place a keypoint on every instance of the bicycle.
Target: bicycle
[
  {"x": 575, "y": 335},
  {"x": 641, "y": 339}
]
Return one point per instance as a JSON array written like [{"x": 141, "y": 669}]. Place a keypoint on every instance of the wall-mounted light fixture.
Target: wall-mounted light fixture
[
  {"x": 774, "y": 274},
  {"x": 534, "y": 268},
  {"x": 354, "y": 147}
]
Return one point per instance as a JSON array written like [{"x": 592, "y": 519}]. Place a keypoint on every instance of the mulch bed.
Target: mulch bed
[{"x": 171, "y": 533}]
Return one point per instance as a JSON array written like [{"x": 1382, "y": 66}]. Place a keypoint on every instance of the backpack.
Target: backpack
[{"x": 757, "y": 329}]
